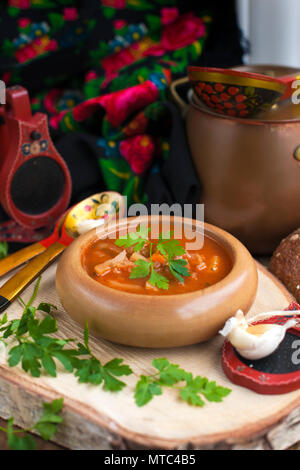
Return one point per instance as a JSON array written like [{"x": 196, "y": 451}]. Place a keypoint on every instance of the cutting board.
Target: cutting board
[{"x": 95, "y": 419}]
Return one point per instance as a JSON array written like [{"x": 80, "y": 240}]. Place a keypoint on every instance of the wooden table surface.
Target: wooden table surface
[
  {"x": 44, "y": 445},
  {"x": 41, "y": 444}
]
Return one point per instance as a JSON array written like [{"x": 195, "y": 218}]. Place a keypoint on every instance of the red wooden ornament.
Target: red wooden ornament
[
  {"x": 275, "y": 374},
  {"x": 35, "y": 184}
]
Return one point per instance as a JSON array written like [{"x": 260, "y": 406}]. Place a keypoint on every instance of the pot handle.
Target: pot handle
[{"x": 183, "y": 105}]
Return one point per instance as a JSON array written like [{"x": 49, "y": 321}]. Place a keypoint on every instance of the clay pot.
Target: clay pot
[
  {"x": 155, "y": 321},
  {"x": 250, "y": 172}
]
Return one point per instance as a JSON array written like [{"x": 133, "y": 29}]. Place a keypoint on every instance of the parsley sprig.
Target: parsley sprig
[
  {"x": 38, "y": 351},
  {"x": 46, "y": 426},
  {"x": 170, "y": 375},
  {"x": 169, "y": 248},
  {"x": 90, "y": 370}
]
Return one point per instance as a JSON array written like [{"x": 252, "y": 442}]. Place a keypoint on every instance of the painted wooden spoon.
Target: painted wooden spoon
[{"x": 103, "y": 206}]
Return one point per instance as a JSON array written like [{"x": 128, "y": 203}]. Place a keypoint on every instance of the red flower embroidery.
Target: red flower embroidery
[
  {"x": 119, "y": 105},
  {"x": 91, "y": 75},
  {"x": 6, "y": 77},
  {"x": 138, "y": 125},
  {"x": 70, "y": 14},
  {"x": 168, "y": 15},
  {"x": 23, "y": 22},
  {"x": 118, "y": 4},
  {"x": 119, "y": 24},
  {"x": 186, "y": 30},
  {"x": 52, "y": 46},
  {"x": 138, "y": 151},
  {"x": 19, "y": 3},
  {"x": 117, "y": 61},
  {"x": 50, "y": 100}
]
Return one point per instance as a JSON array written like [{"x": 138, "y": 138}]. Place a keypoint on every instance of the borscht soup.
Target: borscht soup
[{"x": 140, "y": 264}]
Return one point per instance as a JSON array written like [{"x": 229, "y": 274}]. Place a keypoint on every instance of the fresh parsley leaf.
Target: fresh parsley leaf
[
  {"x": 65, "y": 358},
  {"x": 16, "y": 442},
  {"x": 46, "y": 426},
  {"x": 170, "y": 248},
  {"x": 142, "y": 269},
  {"x": 15, "y": 355},
  {"x": 116, "y": 367},
  {"x": 90, "y": 370},
  {"x": 178, "y": 268},
  {"x": 137, "y": 239},
  {"x": 3, "y": 320},
  {"x": 163, "y": 236},
  {"x": 37, "y": 350},
  {"x": 112, "y": 384},
  {"x": 145, "y": 390},
  {"x": 35, "y": 292},
  {"x": 49, "y": 364},
  {"x": 45, "y": 307},
  {"x": 51, "y": 418},
  {"x": 171, "y": 375},
  {"x": 158, "y": 280},
  {"x": 201, "y": 385},
  {"x": 3, "y": 249},
  {"x": 214, "y": 392},
  {"x": 10, "y": 328},
  {"x": 86, "y": 336},
  {"x": 143, "y": 231},
  {"x": 38, "y": 328},
  {"x": 191, "y": 396}
]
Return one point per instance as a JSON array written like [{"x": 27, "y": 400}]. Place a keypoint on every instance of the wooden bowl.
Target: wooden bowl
[
  {"x": 235, "y": 93},
  {"x": 162, "y": 320}
]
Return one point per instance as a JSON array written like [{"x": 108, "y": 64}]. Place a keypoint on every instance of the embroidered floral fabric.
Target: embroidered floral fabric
[{"x": 113, "y": 61}]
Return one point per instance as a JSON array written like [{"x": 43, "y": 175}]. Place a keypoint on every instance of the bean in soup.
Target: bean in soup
[{"x": 155, "y": 268}]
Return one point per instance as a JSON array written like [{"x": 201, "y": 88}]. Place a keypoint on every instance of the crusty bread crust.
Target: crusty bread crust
[{"x": 285, "y": 263}]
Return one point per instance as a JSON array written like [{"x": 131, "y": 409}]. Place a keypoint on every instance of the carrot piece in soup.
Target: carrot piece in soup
[{"x": 159, "y": 258}]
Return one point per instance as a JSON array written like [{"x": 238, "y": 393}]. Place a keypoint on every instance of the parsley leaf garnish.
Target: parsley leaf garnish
[
  {"x": 170, "y": 248},
  {"x": 167, "y": 246},
  {"x": 142, "y": 269},
  {"x": 170, "y": 375},
  {"x": 136, "y": 239},
  {"x": 158, "y": 280},
  {"x": 178, "y": 268}
]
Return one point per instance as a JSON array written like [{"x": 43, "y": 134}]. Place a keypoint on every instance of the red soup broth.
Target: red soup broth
[{"x": 207, "y": 266}]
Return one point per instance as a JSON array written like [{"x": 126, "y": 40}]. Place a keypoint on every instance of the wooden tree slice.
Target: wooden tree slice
[{"x": 95, "y": 419}]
